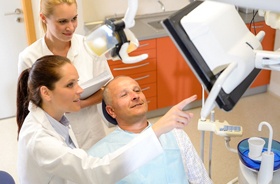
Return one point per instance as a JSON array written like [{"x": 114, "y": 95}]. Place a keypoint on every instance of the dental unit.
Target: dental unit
[{"x": 226, "y": 58}]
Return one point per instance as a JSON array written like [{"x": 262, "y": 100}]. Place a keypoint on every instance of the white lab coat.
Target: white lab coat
[
  {"x": 87, "y": 123},
  {"x": 44, "y": 157}
]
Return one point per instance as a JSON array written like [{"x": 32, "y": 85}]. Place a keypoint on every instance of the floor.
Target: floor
[{"x": 248, "y": 113}]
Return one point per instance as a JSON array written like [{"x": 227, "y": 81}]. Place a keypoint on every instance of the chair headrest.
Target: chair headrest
[
  {"x": 106, "y": 115},
  {"x": 6, "y": 178}
]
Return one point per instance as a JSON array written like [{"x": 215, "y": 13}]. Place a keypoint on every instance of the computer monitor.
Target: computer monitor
[{"x": 210, "y": 35}]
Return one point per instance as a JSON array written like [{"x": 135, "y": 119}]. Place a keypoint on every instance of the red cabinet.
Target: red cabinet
[{"x": 175, "y": 79}]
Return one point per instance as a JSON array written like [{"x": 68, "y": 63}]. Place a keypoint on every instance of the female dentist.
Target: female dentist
[
  {"x": 48, "y": 150},
  {"x": 59, "y": 20}
]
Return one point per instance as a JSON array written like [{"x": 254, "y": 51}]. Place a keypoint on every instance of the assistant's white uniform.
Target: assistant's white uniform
[
  {"x": 87, "y": 123},
  {"x": 45, "y": 158}
]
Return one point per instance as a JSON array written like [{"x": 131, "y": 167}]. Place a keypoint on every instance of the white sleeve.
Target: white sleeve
[
  {"x": 127, "y": 159},
  {"x": 82, "y": 168},
  {"x": 193, "y": 165}
]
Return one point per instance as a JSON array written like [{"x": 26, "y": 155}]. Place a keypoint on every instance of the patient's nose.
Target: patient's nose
[{"x": 134, "y": 96}]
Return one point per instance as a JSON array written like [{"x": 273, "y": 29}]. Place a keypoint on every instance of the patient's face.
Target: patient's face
[{"x": 128, "y": 101}]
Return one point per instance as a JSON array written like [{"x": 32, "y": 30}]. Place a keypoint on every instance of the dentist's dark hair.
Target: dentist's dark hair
[{"x": 44, "y": 72}]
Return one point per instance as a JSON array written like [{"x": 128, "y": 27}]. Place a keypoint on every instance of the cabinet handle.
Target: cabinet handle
[
  {"x": 256, "y": 27},
  {"x": 144, "y": 89},
  {"x": 131, "y": 67},
  {"x": 148, "y": 101},
  {"x": 141, "y": 78},
  {"x": 143, "y": 45}
]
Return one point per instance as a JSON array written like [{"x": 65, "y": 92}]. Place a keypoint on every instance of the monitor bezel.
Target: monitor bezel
[{"x": 180, "y": 37}]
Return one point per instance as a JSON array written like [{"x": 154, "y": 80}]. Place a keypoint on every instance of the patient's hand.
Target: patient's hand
[{"x": 174, "y": 118}]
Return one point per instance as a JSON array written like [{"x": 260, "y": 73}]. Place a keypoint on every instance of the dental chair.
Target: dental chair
[
  {"x": 6, "y": 178},
  {"x": 106, "y": 116}
]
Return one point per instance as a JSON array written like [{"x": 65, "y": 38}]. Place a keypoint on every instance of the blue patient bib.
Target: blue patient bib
[{"x": 167, "y": 168}]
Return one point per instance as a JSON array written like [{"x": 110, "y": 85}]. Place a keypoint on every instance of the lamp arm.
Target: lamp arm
[{"x": 130, "y": 13}]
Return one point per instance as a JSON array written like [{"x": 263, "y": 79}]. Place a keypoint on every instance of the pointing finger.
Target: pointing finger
[{"x": 185, "y": 102}]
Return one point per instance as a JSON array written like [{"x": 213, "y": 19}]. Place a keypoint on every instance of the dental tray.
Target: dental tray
[{"x": 243, "y": 150}]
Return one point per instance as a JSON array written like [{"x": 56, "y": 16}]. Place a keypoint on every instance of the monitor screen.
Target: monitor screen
[{"x": 209, "y": 37}]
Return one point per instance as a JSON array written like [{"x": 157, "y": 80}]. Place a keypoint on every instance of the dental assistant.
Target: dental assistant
[
  {"x": 59, "y": 21},
  {"x": 47, "y": 149}
]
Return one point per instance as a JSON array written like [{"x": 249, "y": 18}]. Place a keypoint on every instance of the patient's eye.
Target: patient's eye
[
  {"x": 123, "y": 94},
  {"x": 137, "y": 89}
]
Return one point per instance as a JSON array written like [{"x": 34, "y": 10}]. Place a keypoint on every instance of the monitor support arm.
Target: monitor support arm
[
  {"x": 272, "y": 5},
  {"x": 213, "y": 94},
  {"x": 268, "y": 60}
]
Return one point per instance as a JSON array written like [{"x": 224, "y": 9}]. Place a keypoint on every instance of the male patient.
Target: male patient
[{"x": 179, "y": 163}]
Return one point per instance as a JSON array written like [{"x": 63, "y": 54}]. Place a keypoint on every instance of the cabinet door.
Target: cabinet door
[
  {"x": 175, "y": 80},
  {"x": 268, "y": 44}
]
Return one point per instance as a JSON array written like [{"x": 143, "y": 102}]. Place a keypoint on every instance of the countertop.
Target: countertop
[
  {"x": 144, "y": 31},
  {"x": 141, "y": 29}
]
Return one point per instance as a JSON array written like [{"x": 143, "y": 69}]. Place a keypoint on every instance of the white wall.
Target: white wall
[
  {"x": 36, "y": 11},
  {"x": 274, "y": 85},
  {"x": 96, "y": 10}
]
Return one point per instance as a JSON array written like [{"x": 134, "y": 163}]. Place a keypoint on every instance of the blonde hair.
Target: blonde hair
[{"x": 47, "y": 7}]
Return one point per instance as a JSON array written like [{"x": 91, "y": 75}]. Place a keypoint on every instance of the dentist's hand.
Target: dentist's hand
[{"x": 174, "y": 118}]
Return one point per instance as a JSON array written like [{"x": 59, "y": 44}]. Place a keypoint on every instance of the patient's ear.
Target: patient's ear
[{"x": 110, "y": 111}]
